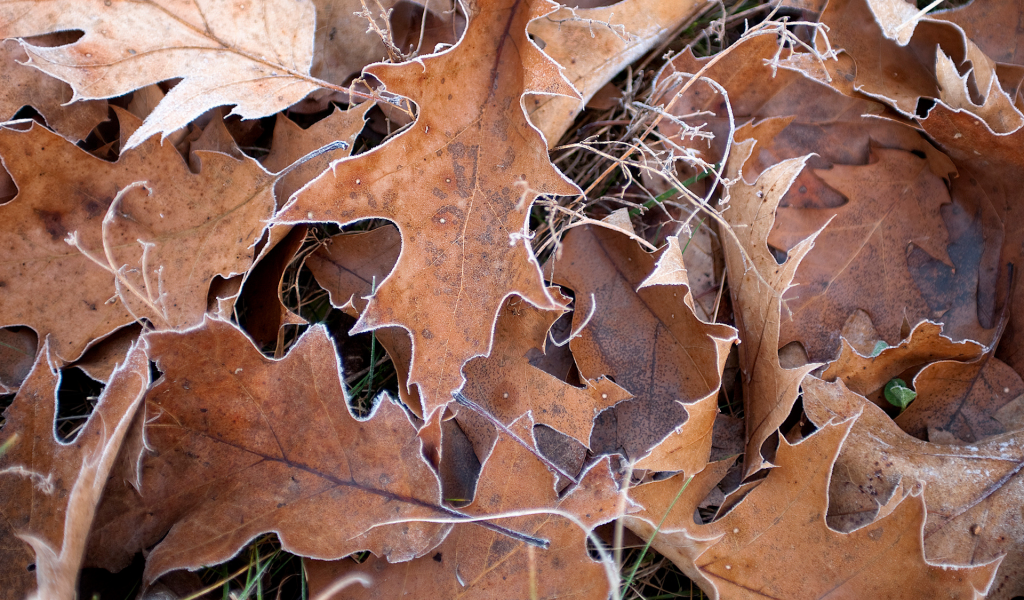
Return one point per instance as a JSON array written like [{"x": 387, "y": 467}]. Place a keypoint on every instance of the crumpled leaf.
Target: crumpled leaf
[
  {"x": 167, "y": 238},
  {"x": 49, "y": 490},
  {"x": 472, "y": 563},
  {"x": 867, "y": 374},
  {"x": 644, "y": 336},
  {"x": 994, "y": 26},
  {"x": 973, "y": 493},
  {"x": 243, "y": 445},
  {"x": 21, "y": 85},
  {"x": 508, "y": 386},
  {"x": 997, "y": 107},
  {"x": 775, "y": 543},
  {"x": 255, "y": 55},
  {"x": 757, "y": 283},
  {"x": 594, "y": 45},
  {"x": 464, "y": 241}
]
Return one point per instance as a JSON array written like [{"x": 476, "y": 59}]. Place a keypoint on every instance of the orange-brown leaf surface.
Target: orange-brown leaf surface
[
  {"x": 775, "y": 543},
  {"x": 474, "y": 563},
  {"x": 79, "y": 266},
  {"x": 255, "y": 55},
  {"x": 757, "y": 284},
  {"x": 242, "y": 445},
  {"x": 49, "y": 489},
  {"x": 508, "y": 386},
  {"x": 479, "y": 165},
  {"x": 21, "y": 85},
  {"x": 645, "y": 337},
  {"x": 972, "y": 492}
]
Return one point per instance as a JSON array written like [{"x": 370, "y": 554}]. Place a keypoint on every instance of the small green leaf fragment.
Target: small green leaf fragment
[
  {"x": 879, "y": 346},
  {"x": 898, "y": 394}
]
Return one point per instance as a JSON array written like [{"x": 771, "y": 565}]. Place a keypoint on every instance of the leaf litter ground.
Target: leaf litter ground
[{"x": 436, "y": 364}]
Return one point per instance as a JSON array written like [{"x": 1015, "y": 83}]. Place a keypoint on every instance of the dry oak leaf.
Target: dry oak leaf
[
  {"x": 994, "y": 26},
  {"x": 291, "y": 142},
  {"x": 896, "y": 74},
  {"x": 640, "y": 331},
  {"x": 243, "y": 445},
  {"x": 973, "y": 492},
  {"x": 345, "y": 43},
  {"x": 996, "y": 108},
  {"x": 261, "y": 285},
  {"x": 865, "y": 375},
  {"x": 255, "y": 55},
  {"x": 508, "y": 386},
  {"x": 350, "y": 267},
  {"x": 459, "y": 184},
  {"x": 837, "y": 128},
  {"x": 776, "y": 544},
  {"x": 21, "y": 85},
  {"x": 166, "y": 238},
  {"x": 50, "y": 489},
  {"x": 986, "y": 162},
  {"x": 476, "y": 564},
  {"x": 963, "y": 399},
  {"x": 892, "y": 208},
  {"x": 595, "y": 44},
  {"x": 757, "y": 283}
]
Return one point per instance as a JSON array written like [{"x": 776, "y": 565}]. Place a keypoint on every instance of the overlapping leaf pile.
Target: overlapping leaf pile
[{"x": 861, "y": 223}]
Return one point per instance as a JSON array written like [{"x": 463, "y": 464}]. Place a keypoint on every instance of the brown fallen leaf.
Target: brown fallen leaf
[
  {"x": 165, "y": 239},
  {"x": 775, "y": 543},
  {"x": 961, "y": 398},
  {"x": 17, "y": 355},
  {"x": 994, "y": 26},
  {"x": 898, "y": 74},
  {"x": 255, "y": 55},
  {"x": 350, "y": 267},
  {"x": 893, "y": 208},
  {"x": 867, "y": 374},
  {"x": 996, "y": 108},
  {"x": 594, "y": 45},
  {"x": 973, "y": 492},
  {"x": 464, "y": 241},
  {"x": 243, "y": 445},
  {"x": 261, "y": 286},
  {"x": 49, "y": 490},
  {"x": 757, "y": 283},
  {"x": 345, "y": 42},
  {"x": 21, "y": 85},
  {"x": 508, "y": 386},
  {"x": 472, "y": 563},
  {"x": 636, "y": 326},
  {"x": 820, "y": 118},
  {"x": 987, "y": 177},
  {"x": 99, "y": 360},
  {"x": 292, "y": 142}
]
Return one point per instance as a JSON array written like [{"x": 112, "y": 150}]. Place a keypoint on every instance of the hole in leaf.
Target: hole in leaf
[
  {"x": 924, "y": 105},
  {"x": 77, "y": 395}
]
